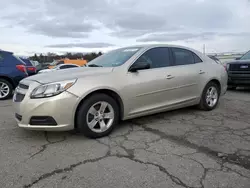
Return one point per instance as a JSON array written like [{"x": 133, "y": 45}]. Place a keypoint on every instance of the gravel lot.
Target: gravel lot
[{"x": 183, "y": 148}]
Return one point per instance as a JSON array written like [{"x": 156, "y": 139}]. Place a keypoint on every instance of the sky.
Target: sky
[{"x": 41, "y": 26}]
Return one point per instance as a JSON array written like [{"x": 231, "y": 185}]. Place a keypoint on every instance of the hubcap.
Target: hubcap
[
  {"x": 212, "y": 96},
  {"x": 100, "y": 117},
  {"x": 4, "y": 89}
]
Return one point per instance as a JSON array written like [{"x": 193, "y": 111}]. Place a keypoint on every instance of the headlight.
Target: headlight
[{"x": 51, "y": 89}]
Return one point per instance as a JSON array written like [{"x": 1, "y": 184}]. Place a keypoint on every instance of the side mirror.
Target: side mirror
[
  {"x": 139, "y": 66},
  {"x": 237, "y": 58}
]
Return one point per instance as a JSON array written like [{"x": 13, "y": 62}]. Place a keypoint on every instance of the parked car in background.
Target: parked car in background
[
  {"x": 31, "y": 69},
  {"x": 239, "y": 71},
  {"x": 12, "y": 70},
  {"x": 59, "y": 67},
  {"x": 122, "y": 84},
  {"x": 79, "y": 62},
  {"x": 37, "y": 65}
]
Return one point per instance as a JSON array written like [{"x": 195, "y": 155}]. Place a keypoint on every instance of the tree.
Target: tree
[{"x": 34, "y": 58}]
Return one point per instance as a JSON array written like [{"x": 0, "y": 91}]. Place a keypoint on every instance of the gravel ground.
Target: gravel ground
[{"x": 183, "y": 148}]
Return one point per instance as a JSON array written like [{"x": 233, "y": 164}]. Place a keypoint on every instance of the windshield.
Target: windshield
[
  {"x": 113, "y": 58},
  {"x": 245, "y": 56}
]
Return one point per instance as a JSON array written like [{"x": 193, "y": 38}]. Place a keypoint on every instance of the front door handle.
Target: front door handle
[
  {"x": 170, "y": 77},
  {"x": 201, "y": 72}
]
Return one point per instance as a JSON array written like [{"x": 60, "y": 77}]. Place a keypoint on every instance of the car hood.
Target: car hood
[
  {"x": 239, "y": 62},
  {"x": 67, "y": 74}
]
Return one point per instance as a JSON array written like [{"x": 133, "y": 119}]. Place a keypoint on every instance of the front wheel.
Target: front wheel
[
  {"x": 6, "y": 89},
  {"x": 210, "y": 97},
  {"x": 97, "y": 116}
]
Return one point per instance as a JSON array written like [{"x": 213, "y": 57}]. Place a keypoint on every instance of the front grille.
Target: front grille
[
  {"x": 23, "y": 86},
  {"x": 18, "y": 97},
  {"x": 239, "y": 67},
  {"x": 19, "y": 117}
]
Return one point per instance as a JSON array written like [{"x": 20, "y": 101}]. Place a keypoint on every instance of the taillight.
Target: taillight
[
  {"x": 32, "y": 69},
  {"x": 21, "y": 68},
  {"x": 225, "y": 66}
]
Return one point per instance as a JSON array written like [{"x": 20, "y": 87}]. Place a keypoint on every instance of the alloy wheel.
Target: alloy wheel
[
  {"x": 211, "y": 96},
  {"x": 4, "y": 90},
  {"x": 100, "y": 117}
]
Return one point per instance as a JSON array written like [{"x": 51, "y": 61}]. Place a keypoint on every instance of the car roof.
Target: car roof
[
  {"x": 5, "y": 51},
  {"x": 155, "y": 45},
  {"x": 146, "y": 46}
]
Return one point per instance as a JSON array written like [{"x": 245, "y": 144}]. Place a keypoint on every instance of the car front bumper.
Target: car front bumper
[
  {"x": 239, "y": 79},
  {"x": 47, "y": 114}
]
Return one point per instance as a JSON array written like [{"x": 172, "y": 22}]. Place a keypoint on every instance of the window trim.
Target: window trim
[
  {"x": 146, "y": 50},
  {"x": 174, "y": 60}
]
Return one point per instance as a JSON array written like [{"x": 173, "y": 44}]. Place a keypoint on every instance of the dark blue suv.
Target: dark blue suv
[{"x": 12, "y": 70}]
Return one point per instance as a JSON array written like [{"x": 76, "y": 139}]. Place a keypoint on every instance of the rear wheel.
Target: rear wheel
[
  {"x": 6, "y": 89},
  {"x": 210, "y": 97},
  {"x": 97, "y": 116}
]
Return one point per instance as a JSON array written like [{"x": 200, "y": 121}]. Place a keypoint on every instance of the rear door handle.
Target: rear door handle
[
  {"x": 201, "y": 72},
  {"x": 170, "y": 77}
]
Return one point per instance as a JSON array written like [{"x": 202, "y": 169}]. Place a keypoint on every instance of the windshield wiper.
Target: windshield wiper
[{"x": 94, "y": 65}]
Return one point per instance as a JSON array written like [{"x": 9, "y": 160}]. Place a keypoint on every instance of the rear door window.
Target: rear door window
[{"x": 182, "y": 56}]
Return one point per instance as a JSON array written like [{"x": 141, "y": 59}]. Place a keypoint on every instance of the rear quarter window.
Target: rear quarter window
[{"x": 197, "y": 59}]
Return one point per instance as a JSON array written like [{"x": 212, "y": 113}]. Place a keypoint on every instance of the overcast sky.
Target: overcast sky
[{"x": 28, "y": 26}]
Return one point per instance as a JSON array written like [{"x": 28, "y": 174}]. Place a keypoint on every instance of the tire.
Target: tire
[
  {"x": 92, "y": 105},
  {"x": 204, "y": 104},
  {"x": 6, "y": 89}
]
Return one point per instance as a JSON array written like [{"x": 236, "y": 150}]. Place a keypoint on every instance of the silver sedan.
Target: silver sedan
[{"x": 122, "y": 84}]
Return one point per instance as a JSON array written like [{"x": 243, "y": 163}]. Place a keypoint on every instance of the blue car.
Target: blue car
[{"x": 12, "y": 70}]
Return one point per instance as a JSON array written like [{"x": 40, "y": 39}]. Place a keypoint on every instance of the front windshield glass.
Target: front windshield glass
[
  {"x": 245, "y": 56},
  {"x": 113, "y": 58}
]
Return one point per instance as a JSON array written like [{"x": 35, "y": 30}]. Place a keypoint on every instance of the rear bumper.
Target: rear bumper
[
  {"x": 17, "y": 79},
  {"x": 239, "y": 79}
]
